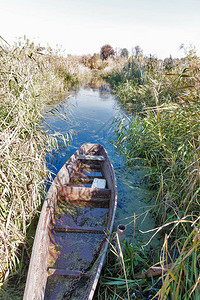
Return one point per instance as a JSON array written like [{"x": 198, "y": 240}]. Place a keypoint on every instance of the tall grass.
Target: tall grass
[
  {"x": 29, "y": 79},
  {"x": 163, "y": 133},
  {"x": 120, "y": 278}
]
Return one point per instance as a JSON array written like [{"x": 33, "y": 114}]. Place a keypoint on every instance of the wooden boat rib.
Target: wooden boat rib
[{"x": 75, "y": 223}]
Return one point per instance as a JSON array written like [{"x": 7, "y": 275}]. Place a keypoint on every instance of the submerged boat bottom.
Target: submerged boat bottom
[
  {"x": 69, "y": 251},
  {"x": 57, "y": 288}
]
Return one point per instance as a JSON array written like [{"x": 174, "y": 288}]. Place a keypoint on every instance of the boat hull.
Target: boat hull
[{"x": 73, "y": 231}]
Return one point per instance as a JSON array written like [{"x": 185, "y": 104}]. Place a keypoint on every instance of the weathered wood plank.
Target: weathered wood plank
[
  {"x": 66, "y": 273},
  {"x": 90, "y": 167},
  {"x": 66, "y": 228},
  {"x": 92, "y": 174},
  {"x": 95, "y": 203},
  {"x": 81, "y": 180},
  {"x": 84, "y": 176},
  {"x": 84, "y": 193},
  {"x": 91, "y": 157}
]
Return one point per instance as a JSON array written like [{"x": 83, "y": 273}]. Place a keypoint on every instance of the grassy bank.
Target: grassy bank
[
  {"x": 30, "y": 78},
  {"x": 162, "y": 132}
]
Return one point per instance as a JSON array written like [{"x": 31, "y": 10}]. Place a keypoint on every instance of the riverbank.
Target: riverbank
[
  {"x": 161, "y": 132},
  {"x": 31, "y": 77}
]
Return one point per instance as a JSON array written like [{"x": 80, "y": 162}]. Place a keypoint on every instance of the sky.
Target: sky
[{"x": 79, "y": 27}]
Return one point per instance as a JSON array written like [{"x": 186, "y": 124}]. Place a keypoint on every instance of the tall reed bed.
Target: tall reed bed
[
  {"x": 162, "y": 131},
  {"x": 29, "y": 79}
]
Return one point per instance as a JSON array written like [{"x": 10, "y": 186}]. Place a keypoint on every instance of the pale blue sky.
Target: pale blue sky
[{"x": 83, "y": 26}]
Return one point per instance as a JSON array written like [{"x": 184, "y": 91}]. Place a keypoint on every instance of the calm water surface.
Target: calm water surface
[{"x": 90, "y": 114}]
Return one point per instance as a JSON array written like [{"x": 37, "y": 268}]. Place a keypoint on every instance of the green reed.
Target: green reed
[{"x": 125, "y": 261}]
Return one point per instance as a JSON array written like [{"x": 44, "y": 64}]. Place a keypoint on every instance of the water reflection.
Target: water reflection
[
  {"x": 98, "y": 85},
  {"x": 92, "y": 111}
]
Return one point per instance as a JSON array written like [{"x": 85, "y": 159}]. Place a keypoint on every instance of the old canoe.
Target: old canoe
[{"x": 73, "y": 231}]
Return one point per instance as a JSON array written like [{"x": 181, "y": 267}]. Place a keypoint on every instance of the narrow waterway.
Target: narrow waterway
[{"x": 88, "y": 115}]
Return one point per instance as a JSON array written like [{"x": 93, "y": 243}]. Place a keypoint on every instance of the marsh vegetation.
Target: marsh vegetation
[
  {"x": 31, "y": 77},
  {"x": 159, "y": 131}
]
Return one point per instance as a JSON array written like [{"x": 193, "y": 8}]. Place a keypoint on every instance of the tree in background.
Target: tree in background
[
  {"x": 123, "y": 52},
  {"x": 137, "y": 51},
  {"x": 106, "y": 51}
]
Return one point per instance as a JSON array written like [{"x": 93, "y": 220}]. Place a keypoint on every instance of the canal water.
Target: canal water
[{"x": 88, "y": 116}]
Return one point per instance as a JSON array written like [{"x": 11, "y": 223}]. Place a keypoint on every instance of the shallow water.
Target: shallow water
[{"x": 90, "y": 114}]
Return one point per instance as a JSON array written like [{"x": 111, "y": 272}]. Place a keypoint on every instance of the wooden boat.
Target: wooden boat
[{"x": 73, "y": 231}]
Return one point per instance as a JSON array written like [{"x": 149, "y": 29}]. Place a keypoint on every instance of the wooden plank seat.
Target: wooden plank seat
[
  {"x": 87, "y": 174},
  {"x": 66, "y": 228},
  {"x": 78, "y": 179},
  {"x": 93, "y": 174},
  {"x": 95, "y": 203},
  {"x": 85, "y": 177},
  {"x": 90, "y": 167},
  {"x": 91, "y": 157},
  {"x": 70, "y": 193},
  {"x": 66, "y": 273}
]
